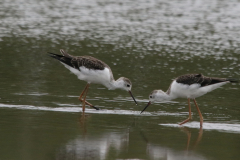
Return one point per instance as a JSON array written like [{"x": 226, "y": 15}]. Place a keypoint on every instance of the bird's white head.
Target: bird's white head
[
  {"x": 125, "y": 84},
  {"x": 157, "y": 96}
]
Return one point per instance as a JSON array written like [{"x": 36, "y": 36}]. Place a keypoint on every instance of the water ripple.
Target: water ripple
[
  {"x": 222, "y": 127},
  {"x": 79, "y": 109},
  {"x": 201, "y": 27}
]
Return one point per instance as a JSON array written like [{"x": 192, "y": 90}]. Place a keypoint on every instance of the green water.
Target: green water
[{"x": 149, "y": 42}]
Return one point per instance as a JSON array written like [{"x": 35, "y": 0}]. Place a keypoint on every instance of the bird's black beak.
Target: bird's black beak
[
  {"x": 132, "y": 97},
  {"x": 146, "y": 106}
]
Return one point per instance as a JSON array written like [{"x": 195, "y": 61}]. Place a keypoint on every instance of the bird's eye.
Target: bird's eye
[
  {"x": 128, "y": 85},
  {"x": 150, "y": 96}
]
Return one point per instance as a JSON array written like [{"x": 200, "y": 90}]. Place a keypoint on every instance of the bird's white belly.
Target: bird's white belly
[
  {"x": 184, "y": 91},
  {"x": 95, "y": 76},
  {"x": 91, "y": 75},
  {"x": 192, "y": 91}
]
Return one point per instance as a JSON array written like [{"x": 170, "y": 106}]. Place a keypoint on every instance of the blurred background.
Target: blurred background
[{"x": 148, "y": 41}]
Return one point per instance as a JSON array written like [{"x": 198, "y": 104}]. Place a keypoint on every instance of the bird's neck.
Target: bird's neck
[
  {"x": 168, "y": 97},
  {"x": 112, "y": 85},
  {"x": 164, "y": 96}
]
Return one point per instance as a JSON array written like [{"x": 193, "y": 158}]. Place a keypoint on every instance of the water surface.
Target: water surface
[{"x": 151, "y": 43}]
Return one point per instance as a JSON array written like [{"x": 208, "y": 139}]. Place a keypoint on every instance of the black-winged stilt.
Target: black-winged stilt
[
  {"x": 189, "y": 86},
  {"x": 92, "y": 70}
]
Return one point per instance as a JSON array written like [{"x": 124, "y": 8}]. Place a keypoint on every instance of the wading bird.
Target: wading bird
[
  {"x": 189, "y": 86},
  {"x": 92, "y": 70}
]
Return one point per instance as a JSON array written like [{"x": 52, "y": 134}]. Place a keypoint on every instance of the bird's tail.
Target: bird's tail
[
  {"x": 233, "y": 80},
  {"x": 56, "y": 56},
  {"x": 65, "y": 54},
  {"x": 62, "y": 58}
]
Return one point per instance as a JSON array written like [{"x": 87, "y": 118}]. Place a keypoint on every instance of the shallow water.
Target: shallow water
[{"x": 151, "y": 43}]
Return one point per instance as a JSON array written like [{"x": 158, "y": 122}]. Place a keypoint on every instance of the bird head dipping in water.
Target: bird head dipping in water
[
  {"x": 157, "y": 95},
  {"x": 125, "y": 84}
]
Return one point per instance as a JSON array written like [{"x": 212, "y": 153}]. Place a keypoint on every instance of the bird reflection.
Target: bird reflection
[
  {"x": 188, "y": 132},
  {"x": 126, "y": 143},
  {"x": 83, "y": 122},
  {"x": 156, "y": 151},
  {"x": 99, "y": 147}
]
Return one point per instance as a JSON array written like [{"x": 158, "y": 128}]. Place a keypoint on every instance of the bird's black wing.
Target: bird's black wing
[
  {"x": 77, "y": 62},
  {"x": 88, "y": 62},
  {"x": 189, "y": 79},
  {"x": 199, "y": 79}
]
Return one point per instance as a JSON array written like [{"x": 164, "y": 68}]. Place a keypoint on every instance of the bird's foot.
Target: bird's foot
[
  {"x": 185, "y": 121},
  {"x": 95, "y": 108},
  {"x": 89, "y": 104}
]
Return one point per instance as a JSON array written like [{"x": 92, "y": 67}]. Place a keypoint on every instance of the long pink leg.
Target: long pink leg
[
  {"x": 190, "y": 114},
  {"x": 199, "y": 112},
  {"x": 80, "y": 97},
  {"x": 84, "y": 100}
]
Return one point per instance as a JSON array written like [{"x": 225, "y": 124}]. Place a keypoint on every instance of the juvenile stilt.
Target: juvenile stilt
[
  {"x": 189, "y": 86},
  {"x": 92, "y": 70}
]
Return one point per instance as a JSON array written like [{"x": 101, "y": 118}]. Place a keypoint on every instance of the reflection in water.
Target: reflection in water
[
  {"x": 150, "y": 42},
  {"x": 73, "y": 108},
  {"x": 117, "y": 144},
  {"x": 160, "y": 152},
  {"x": 94, "y": 148},
  {"x": 82, "y": 121},
  {"x": 188, "y": 132},
  {"x": 221, "y": 127}
]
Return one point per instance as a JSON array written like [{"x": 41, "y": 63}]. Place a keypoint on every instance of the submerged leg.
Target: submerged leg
[
  {"x": 199, "y": 112},
  {"x": 80, "y": 97},
  {"x": 190, "y": 114}
]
